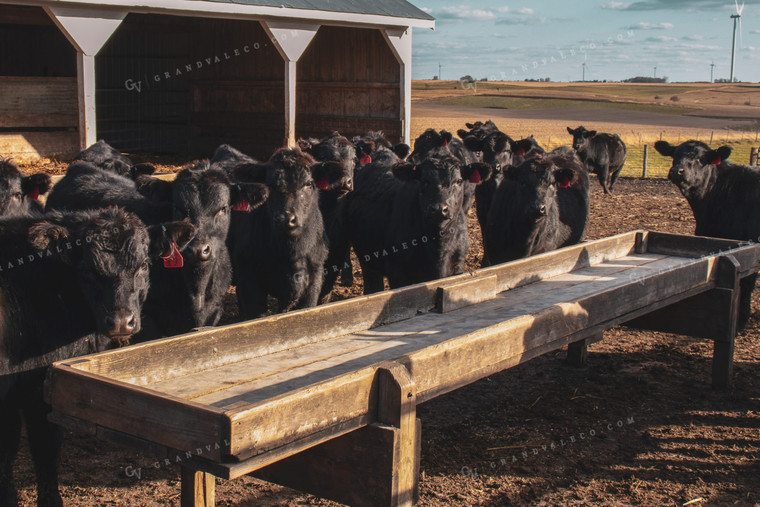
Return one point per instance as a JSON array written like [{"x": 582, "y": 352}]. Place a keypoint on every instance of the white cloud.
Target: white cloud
[
  {"x": 526, "y": 11},
  {"x": 694, "y": 37},
  {"x": 650, "y": 26},
  {"x": 466, "y": 13},
  {"x": 616, "y": 5},
  {"x": 661, "y": 38}
]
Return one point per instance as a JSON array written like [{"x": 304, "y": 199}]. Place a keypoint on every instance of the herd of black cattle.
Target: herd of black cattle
[{"x": 120, "y": 256}]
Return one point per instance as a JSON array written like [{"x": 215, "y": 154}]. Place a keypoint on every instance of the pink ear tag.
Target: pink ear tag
[
  {"x": 366, "y": 159},
  {"x": 243, "y": 205},
  {"x": 520, "y": 153},
  {"x": 322, "y": 184},
  {"x": 717, "y": 161},
  {"x": 174, "y": 259},
  {"x": 475, "y": 177},
  {"x": 34, "y": 194},
  {"x": 445, "y": 142}
]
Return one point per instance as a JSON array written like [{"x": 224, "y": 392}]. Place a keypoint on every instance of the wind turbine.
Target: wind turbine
[{"x": 736, "y": 17}]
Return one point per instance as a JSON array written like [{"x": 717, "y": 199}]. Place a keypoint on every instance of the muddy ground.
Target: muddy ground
[{"x": 639, "y": 425}]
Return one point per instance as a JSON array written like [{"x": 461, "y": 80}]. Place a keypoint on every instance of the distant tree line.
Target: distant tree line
[{"x": 642, "y": 79}]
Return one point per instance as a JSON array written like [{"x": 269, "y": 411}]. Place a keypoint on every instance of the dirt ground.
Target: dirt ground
[{"x": 639, "y": 425}]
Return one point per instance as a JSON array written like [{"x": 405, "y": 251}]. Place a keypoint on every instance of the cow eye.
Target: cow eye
[
  {"x": 459, "y": 181},
  {"x": 17, "y": 195},
  {"x": 222, "y": 211}
]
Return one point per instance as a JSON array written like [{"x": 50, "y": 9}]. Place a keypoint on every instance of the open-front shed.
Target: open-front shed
[{"x": 182, "y": 76}]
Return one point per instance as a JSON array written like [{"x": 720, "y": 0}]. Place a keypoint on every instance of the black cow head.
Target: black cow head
[
  {"x": 367, "y": 146},
  {"x": 334, "y": 148},
  {"x": 525, "y": 149},
  {"x": 495, "y": 147},
  {"x": 441, "y": 184},
  {"x": 18, "y": 191},
  {"x": 538, "y": 182},
  {"x": 289, "y": 176},
  {"x": 106, "y": 157},
  {"x": 693, "y": 162},
  {"x": 581, "y": 137},
  {"x": 111, "y": 251}
]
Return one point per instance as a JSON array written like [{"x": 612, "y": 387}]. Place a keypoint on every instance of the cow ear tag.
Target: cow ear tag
[
  {"x": 445, "y": 142},
  {"x": 322, "y": 184},
  {"x": 242, "y": 205},
  {"x": 366, "y": 159},
  {"x": 475, "y": 177},
  {"x": 174, "y": 258},
  {"x": 34, "y": 194},
  {"x": 717, "y": 161},
  {"x": 520, "y": 153}
]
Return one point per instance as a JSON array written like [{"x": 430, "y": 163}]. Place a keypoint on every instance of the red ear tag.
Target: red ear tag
[
  {"x": 717, "y": 161},
  {"x": 445, "y": 142},
  {"x": 242, "y": 206},
  {"x": 366, "y": 159},
  {"x": 322, "y": 184},
  {"x": 564, "y": 182},
  {"x": 475, "y": 177},
  {"x": 174, "y": 259},
  {"x": 34, "y": 194},
  {"x": 520, "y": 153}
]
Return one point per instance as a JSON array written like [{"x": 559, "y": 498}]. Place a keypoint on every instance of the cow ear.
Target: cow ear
[
  {"x": 469, "y": 125},
  {"x": 164, "y": 236},
  {"x": 664, "y": 148},
  {"x": 248, "y": 196},
  {"x": 477, "y": 172},
  {"x": 462, "y": 133},
  {"x": 472, "y": 143},
  {"x": 43, "y": 234},
  {"x": 406, "y": 172},
  {"x": 565, "y": 177},
  {"x": 401, "y": 150},
  {"x": 250, "y": 172},
  {"x": 142, "y": 170},
  {"x": 724, "y": 152},
  {"x": 570, "y": 131},
  {"x": 304, "y": 144},
  {"x": 520, "y": 147},
  {"x": 327, "y": 174},
  {"x": 592, "y": 133},
  {"x": 36, "y": 185},
  {"x": 446, "y": 137},
  {"x": 154, "y": 188}
]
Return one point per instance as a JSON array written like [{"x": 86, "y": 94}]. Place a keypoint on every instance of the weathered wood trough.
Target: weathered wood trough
[{"x": 324, "y": 400}]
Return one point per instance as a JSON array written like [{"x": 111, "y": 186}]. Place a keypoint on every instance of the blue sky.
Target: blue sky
[{"x": 616, "y": 39}]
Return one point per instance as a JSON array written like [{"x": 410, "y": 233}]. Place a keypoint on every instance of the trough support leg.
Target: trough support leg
[
  {"x": 377, "y": 465},
  {"x": 723, "y": 347},
  {"x": 711, "y": 315},
  {"x": 198, "y": 488},
  {"x": 577, "y": 352}
]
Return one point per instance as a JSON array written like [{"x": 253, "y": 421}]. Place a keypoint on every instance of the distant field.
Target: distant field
[{"x": 502, "y": 102}]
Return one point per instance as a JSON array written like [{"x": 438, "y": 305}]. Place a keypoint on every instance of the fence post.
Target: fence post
[
  {"x": 711, "y": 136},
  {"x": 644, "y": 170},
  {"x": 753, "y": 156}
]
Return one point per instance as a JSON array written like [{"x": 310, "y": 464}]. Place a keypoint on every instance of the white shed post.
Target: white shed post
[
  {"x": 87, "y": 30},
  {"x": 400, "y": 41},
  {"x": 291, "y": 40}
]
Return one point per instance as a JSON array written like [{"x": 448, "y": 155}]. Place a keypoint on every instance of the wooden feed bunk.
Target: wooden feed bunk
[{"x": 324, "y": 400}]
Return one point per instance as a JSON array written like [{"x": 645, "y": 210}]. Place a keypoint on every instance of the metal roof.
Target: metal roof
[{"x": 393, "y": 8}]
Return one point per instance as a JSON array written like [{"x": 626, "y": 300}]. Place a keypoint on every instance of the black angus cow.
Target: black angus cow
[
  {"x": 540, "y": 206},
  {"x": 19, "y": 194},
  {"x": 525, "y": 149},
  {"x": 105, "y": 156},
  {"x": 603, "y": 154},
  {"x": 332, "y": 199},
  {"x": 70, "y": 284},
  {"x": 406, "y": 221},
  {"x": 186, "y": 294},
  {"x": 724, "y": 197},
  {"x": 281, "y": 248},
  {"x": 367, "y": 145}
]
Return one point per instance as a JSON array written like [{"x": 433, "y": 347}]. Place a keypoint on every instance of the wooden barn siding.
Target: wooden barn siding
[
  {"x": 241, "y": 99},
  {"x": 38, "y": 101},
  {"x": 155, "y": 118},
  {"x": 348, "y": 80}
]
